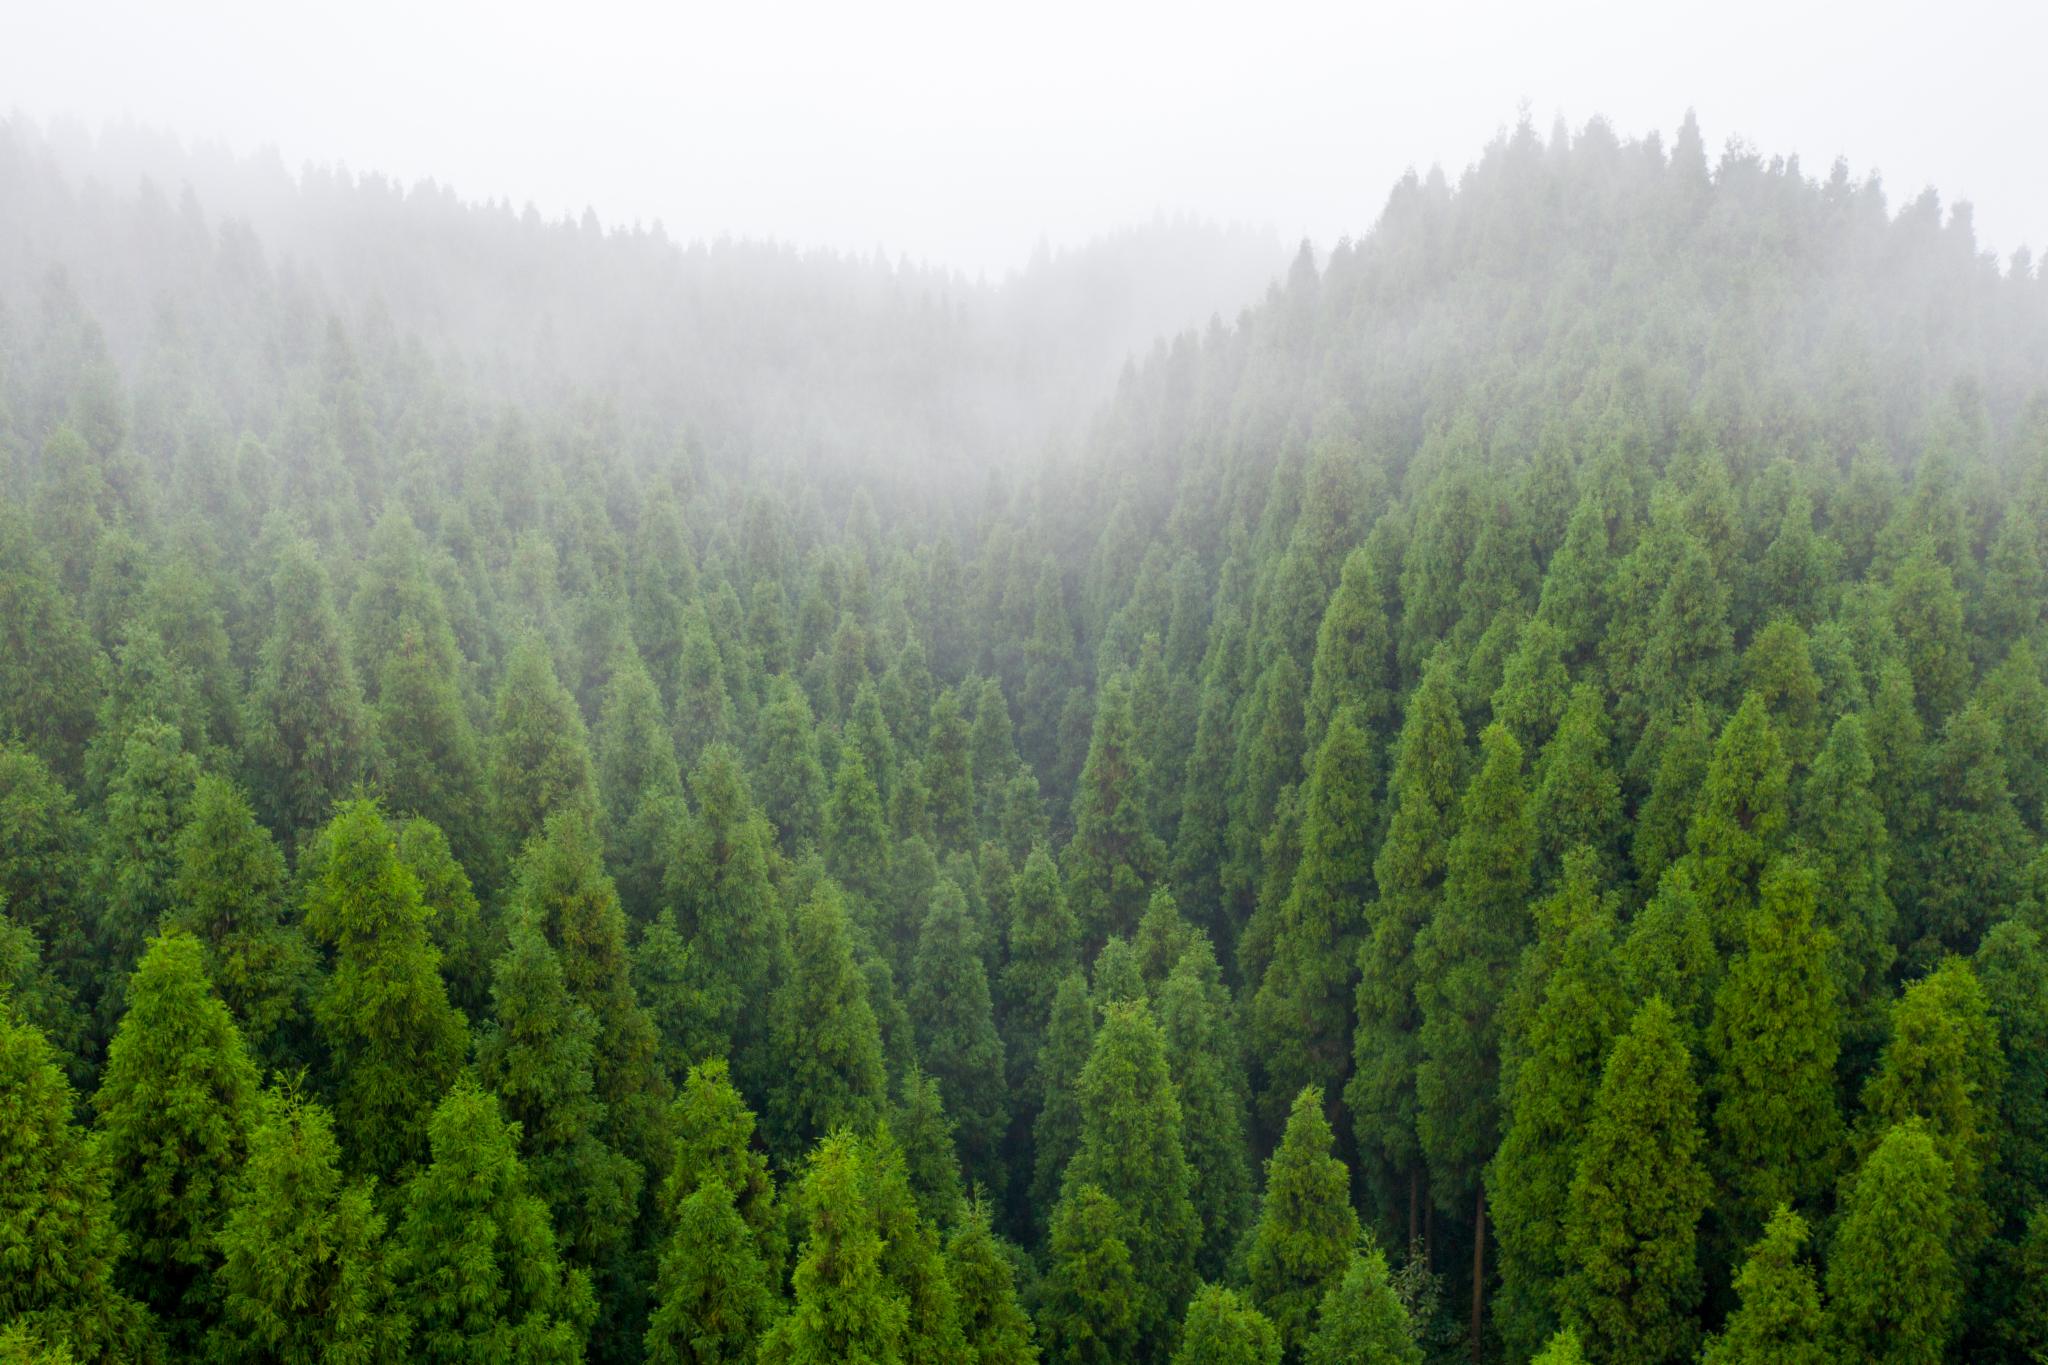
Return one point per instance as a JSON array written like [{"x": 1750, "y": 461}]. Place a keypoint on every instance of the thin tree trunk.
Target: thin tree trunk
[
  {"x": 1429, "y": 1235},
  {"x": 1478, "y": 1271},
  {"x": 1414, "y": 1206}
]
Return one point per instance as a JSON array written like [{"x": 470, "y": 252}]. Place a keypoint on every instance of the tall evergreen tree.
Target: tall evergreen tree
[
  {"x": 956, "y": 1031},
  {"x": 1220, "y": 1328},
  {"x": 540, "y": 756},
  {"x": 1114, "y": 859},
  {"x": 1304, "y": 1239},
  {"x": 824, "y": 1034},
  {"x": 307, "y": 727},
  {"x": 1056, "y": 1132},
  {"x": 1361, "y": 1320},
  {"x": 1893, "y": 1281},
  {"x": 1090, "y": 1310},
  {"x": 1204, "y": 1058},
  {"x": 1740, "y": 821},
  {"x": 993, "y": 1325},
  {"x": 713, "y": 1298},
  {"x": 844, "y": 1307},
  {"x": 1780, "y": 1319}
]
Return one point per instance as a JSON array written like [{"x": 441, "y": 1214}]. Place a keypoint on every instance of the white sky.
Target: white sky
[{"x": 961, "y": 134}]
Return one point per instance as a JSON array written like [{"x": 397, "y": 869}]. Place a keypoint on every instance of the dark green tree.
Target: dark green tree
[
  {"x": 307, "y": 727},
  {"x": 1894, "y": 1286},
  {"x": 713, "y": 1298},
  {"x": 956, "y": 1032},
  {"x": 825, "y": 1034},
  {"x": 1306, "y": 1233},
  {"x": 1089, "y": 1313},
  {"x": 994, "y": 1326},
  {"x": 1780, "y": 1319},
  {"x": 540, "y": 757},
  {"x": 1114, "y": 859}
]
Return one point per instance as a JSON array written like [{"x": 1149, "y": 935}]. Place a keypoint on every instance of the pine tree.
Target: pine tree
[
  {"x": 1843, "y": 830},
  {"x": 1361, "y": 1320},
  {"x": 1928, "y": 612},
  {"x": 303, "y": 1278},
  {"x": 1780, "y": 1321},
  {"x": 1535, "y": 685},
  {"x": 1773, "y": 1043},
  {"x": 1666, "y": 814},
  {"x": 956, "y": 1032},
  {"x": 1114, "y": 859},
  {"x": 2012, "y": 966},
  {"x": 702, "y": 704},
  {"x": 1204, "y": 1058},
  {"x": 475, "y": 1257},
  {"x": 540, "y": 757},
  {"x": 713, "y": 1298},
  {"x": 1576, "y": 801},
  {"x": 1043, "y": 948},
  {"x": 58, "y": 1228},
  {"x": 948, "y": 773},
  {"x": 792, "y": 782},
  {"x": 994, "y": 1326},
  {"x": 1631, "y": 1229},
  {"x": 1222, "y": 1329},
  {"x": 913, "y": 1257},
  {"x": 148, "y": 803},
  {"x": 1977, "y": 846},
  {"x": 229, "y": 893},
  {"x": 924, "y": 1134},
  {"x": 307, "y": 728},
  {"x": 392, "y": 1038},
  {"x": 1893, "y": 1283},
  {"x": 175, "y": 1106},
  {"x": 426, "y": 757},
  {"x": 856, "y": 834},
  {"x": 824, "y": 1034},
  {"x": 468, "y": 940},
  {"x": 1303, "y": 1241},
  {"x": 1354, "y": 652},
  {"x": 714, "y": 1139},
  {"x": 1302, "y": 1012},
  {"x": 49, "y": 665},
  {"x": 1131, "y": 1150},
  {"x": 1090, "y": 1313},
  {"x": 638, "y": 781},
  {"x": 1739, "y": 823},
  {"x": 1409, "y": 870}
]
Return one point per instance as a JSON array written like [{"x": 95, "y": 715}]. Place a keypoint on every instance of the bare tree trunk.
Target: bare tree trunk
[
  {"x": 1478, "y": 1271},
  {"x": 1429, "y": 1235},
  {"x": 1414, "y": 1205}
]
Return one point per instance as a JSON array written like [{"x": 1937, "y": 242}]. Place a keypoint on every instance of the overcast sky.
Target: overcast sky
[{"x": 963, "y": 133}]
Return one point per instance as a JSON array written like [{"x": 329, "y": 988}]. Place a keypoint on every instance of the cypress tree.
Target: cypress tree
[
  {"x": 148, "y": 802},
  {"x": 1222, "y": 1329},
  {"x": 639, "y": 782},
  {"x": 1977, "y": 846},
  {"x": 1354, "y": 652},
  {"x": 304, "y": 1279},
  {"x": 392, "y": 1038},
  {"x": 1043, "y": 948},
  {"x": 845, "y": 1308},
  {"x": 2012, "y": 967},
  {"x": 1631, "y": 1229},
  {"x": 948, "y": 773},
  {"x": 1409, "y": 869},
  {"x": 1842, "y": 829},
  {"x": 1894, "y": 1286},
  {"x": 1739, "y": 823},
  {"x": 1204, "y": 1059},
  {"x": 1576, "y": 802},
  {"x": 792, "y": 783},
  {"x": 1928, "y": 613},
  {"x": 713, "y": 1298},
  {"x": 924, "y": 1134},
  {"x": 703, "y": 706},
  {"x": 1056, "y": 1132},
  {"x": 58, "y": 1227},
  {"x": 426, "y": 758},
  {"x": 540, "y": 757},
  {"x": 1114, "y": 859},
  {"x": 956, "y": 1032},
  {"x": 469, "y": 942},
  {"x": 1131, "y": 1150},
  {"x": 1090, "y": 1312},
  {"x": 1562, "y": 1349},
  {"x": 175, "y": 1106},
  {"x": 306, "y": 725},
  {"x": 824, "y": 1034},
  {"x": 1303, "y": 1241},
  {"x": 475, "y": 1257},
  {"x": 1780, "y": 1321},
  {"x": 1361, "y": 1320},
  {"x": 1774, "y": 1041},
  {"x": 714, "y": 1139},
  {"x": 994, "y": 1327},
  {"x": 1666, "y": 813},
  {"x": 1534, "y": 685},
  {"x": 1302, "y": 1012},
  {"x": 856, "y": 835}
]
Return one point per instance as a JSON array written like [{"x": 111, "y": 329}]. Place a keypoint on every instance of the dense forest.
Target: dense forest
[{"x": 570, "y": 796}]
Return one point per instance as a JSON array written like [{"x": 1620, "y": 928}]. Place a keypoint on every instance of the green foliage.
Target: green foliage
[
  {"x": 824, "y": 1032},
  {"x": 1056, "y": 1132},
  {"x": 1304, "y": 1238},
  {"x": 956, "y": 1034},
  {"x": 1893, "y": 1282},
  {"x": 307, "y": 726},
  {"x": 993, "y": 1325},
  {"x": 540, "y": 759},
  {"x": 148, "y": 802},
  {"x": 1114, "y": 859},
  {"x": 1222, "y": 1329},
  {"x": 475, "y": 1257},
  {"x": 1204, "y": 1056},
  {"x": 1090, "y": 1313},
  {"x": 713, "y": 1297},
  {"x": 1780, "y": 1319},
  {"x": 1361, "y": 1321}
]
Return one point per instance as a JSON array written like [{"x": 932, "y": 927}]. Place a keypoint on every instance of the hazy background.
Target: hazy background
[{"x": 963, "y": 136}]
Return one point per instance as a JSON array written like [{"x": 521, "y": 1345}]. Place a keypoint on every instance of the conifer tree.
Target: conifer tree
[
  {"x": 913, "y": 1257},
  {"x": 1306, "y": 1233},
  {"x": 1928, "y": 613},
  {"x": 845, "y": 1308},
  {"x": 1114, "y": 859},
  {"x": 540, "y": 757},
  {"x": 1043, "y": 948},
  {"x": 1534, "y": 686},
  {"x": 1631, "y": 1229},
  {"x": 426, "y": 758},
  {"x": 1843, "y": 831},
  {"x": 2012, "y": 967},
  {"x": 1205, "y": 1061},
  {"x": 956, "y": 1032},
  {"x": 719, "y": 881},
  {"x": 57, "y": 1218},
  {"x": 1090, "y": 1313},
  {"x": 229, "y": 893},
  {"x": 1562, "y": 1349},
  {"x": 948, "y": 773},
  {"x": 1354, "y": 653},
  {"x": 1131, "y": 1150},
  {"x": 392, "y": 1038},
  {"x": 1976, "y": 847},
  {"x": 304, "y": 1279},
  {"x": 1220, "y": 1328},
  {"x": 824, "y": 1035},
  {"x": 713, "y": 1298},
  {"x": 1302, "y": 1012},
  {"x": 792, "y": 782},
  {"x": 921, "y": 1130},
  {"x": 856, "y": 834},
  {"x": 993, "y": 1325},
  {"x": 1422, "y": 792},
  {"x": 1361, "y": 1320},
  {"x": 639, "y": 782},
  {"x": 1576, "y": 801},
  {"x": 49, "y": 664},
  {"x": 1893, "y": 1283},
  {"x": 714, "y": 1139},
  {"x": 1546, "y": 1101},
  {"x": 307, "y": 728},
  {"x": 1942, "y": 1066},
  {"x": 1740, "y": 820},
  {"x": 468, "y": 940},
  {"x": 475, "y": 1257},
  {"x": 1773, "y": 1043},
  {"x": 147, "y": 804},
  {"x": 1666, "y": 814},
  {"x": 1780, "y": 1319},
  {"x": 703, "y": 702},
  {"x": 1056, "y": 1132},
  {"x": 175, "y": 1106}
]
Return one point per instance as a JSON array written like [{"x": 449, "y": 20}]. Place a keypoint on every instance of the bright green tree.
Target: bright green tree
[
  {"x": 1354, "y": 652},
  {"x": 824, "y": 1033},
  {"x": 1361, "y": 1320},
  {"x": 1220, "y": 1328},
  {"x": 1631, "y": 1230},
  {"x": 393, "y": 1040},
  {"x": 1739, "y": 822},
  {"x": 1780, "y": 1320},
  {"x": 147, "y": 805},
  {"x": 1576, "y": 800},
  {"x": 307, "y": 727},
  {"x": 475, "y": 1257},
  {"x": 713, "y": 1298},
  {"x": 845, "y": 1308},
  {"x": 1089, "y": 1313},
  {"x": 1306, "y": 1233},
  {"x": 994, "y": 1326},
  {"x": 1894, "y": 1284},
  {"x": 956, "y": 1032},
  {"x": 175, "y": 1106}
]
